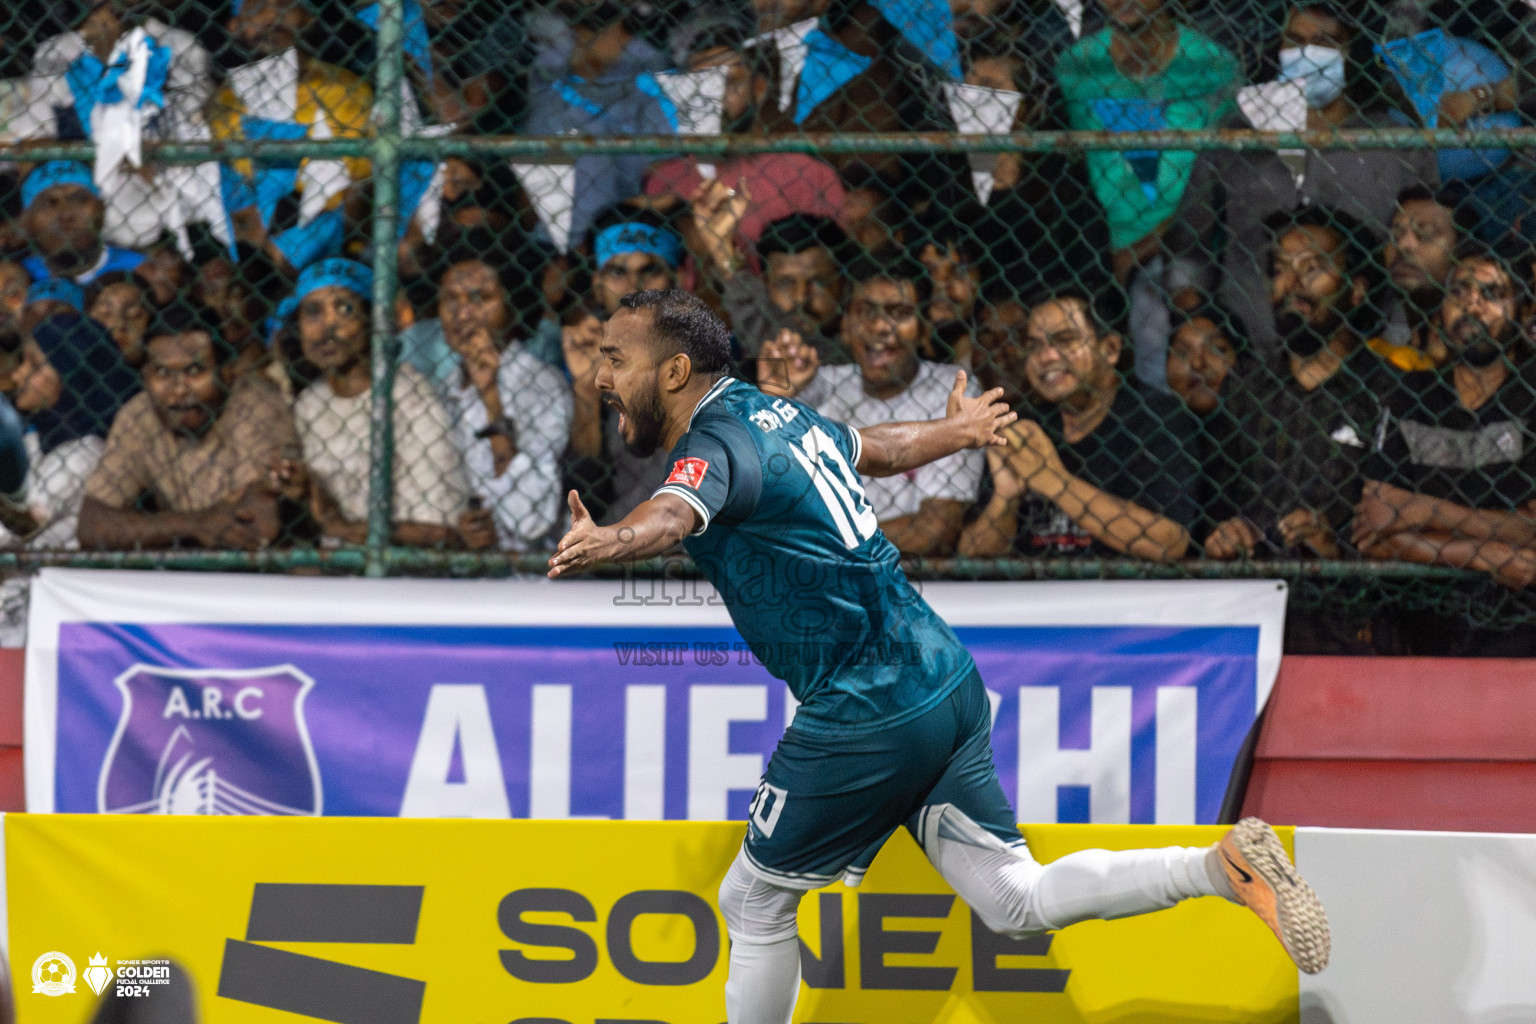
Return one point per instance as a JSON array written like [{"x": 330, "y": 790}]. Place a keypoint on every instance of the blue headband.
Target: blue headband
[
  {"x": 56, "y": 172},
  {"x": 61, "y": 289},
  {"x": 622, "y": 238},
  {"x": 348, "y": 274}
]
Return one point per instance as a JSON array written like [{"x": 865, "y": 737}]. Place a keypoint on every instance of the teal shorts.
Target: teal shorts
[{"x": 828, "y": 803}]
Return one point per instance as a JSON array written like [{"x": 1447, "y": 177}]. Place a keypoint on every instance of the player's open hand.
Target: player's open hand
[
  {"x": 980, "y": 419},
  {"x": 584, "y": 546}
]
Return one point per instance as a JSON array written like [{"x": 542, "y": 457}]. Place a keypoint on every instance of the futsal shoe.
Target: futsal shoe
[{"x": 1265, "y": 881}]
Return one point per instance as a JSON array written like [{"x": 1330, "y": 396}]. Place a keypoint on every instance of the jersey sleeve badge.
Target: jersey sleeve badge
[{"x": 689, "y": 472}]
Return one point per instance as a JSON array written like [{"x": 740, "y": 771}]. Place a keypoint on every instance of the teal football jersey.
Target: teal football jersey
[{"x": 813, "y": 586}]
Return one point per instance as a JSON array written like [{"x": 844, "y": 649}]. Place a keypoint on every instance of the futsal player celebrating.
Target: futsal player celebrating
[{"x": 894, "y": 726}]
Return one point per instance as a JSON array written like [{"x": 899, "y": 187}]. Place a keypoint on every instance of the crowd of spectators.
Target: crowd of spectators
[{"x": 1218, "y": 354}]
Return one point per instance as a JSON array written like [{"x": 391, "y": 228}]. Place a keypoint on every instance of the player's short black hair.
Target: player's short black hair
[
  {"x": 681, "y": 322},
  {"x": 181, "y": 316}
]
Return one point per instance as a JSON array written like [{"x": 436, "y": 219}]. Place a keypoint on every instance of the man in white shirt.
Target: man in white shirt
[
  {"x": 921, "y": 511},
  {"x": 511, "y": 411},
  {"x": 430, "y": 507}
]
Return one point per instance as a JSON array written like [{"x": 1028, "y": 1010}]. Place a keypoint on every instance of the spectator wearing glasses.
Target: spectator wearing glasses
[
  {"x": 1100, "y": 468},
  {"x": 884, "y": 327}
]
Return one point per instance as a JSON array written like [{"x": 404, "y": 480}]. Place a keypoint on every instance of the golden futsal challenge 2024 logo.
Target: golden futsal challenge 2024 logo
[{"x": 53, "y": 974}]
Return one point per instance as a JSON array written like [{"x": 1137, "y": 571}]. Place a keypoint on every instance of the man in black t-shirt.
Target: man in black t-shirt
[
  {"x": 1454, "y": 473},
  {"x": 1101, "y": 468},
  {"x": 1305, "y": 422}
]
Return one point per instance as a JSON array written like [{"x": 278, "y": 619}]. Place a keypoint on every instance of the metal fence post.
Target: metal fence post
[{"x": 386, "y": 214}]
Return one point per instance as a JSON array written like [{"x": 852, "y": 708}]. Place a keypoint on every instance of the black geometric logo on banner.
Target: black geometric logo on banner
[{"x": 317, "y": 988}]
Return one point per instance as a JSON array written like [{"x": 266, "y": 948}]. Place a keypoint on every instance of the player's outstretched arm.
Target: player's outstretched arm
[
  {"x": 653, "y": 527},
  {"x": 892, "y": 448}
]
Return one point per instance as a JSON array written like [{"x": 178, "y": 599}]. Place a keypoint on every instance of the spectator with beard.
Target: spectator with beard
[
  {"x": 117, "y": 301},
  {"x": 634, "y": 250},
  {"x": 921, "y": 512},
  {"x": 1418, "y": 258},
  {"x": 430, "y": 505},
  {"x": 80, "y": 73},
  {"x": 1099, "y": 467},
  {"x": 1306, "y": 424},
  {"x": 69, "y": 385},
  {"x": 62, "y": 214},
  {"x": 200, "y": 445},
  {"x": 1454, "y": 479},
  {"x": 801, "y": 287},
  {"x": 511, "y": 412}
]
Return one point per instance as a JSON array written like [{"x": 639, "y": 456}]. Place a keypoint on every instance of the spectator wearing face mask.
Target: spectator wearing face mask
[{"x": 1321, "y": 51}]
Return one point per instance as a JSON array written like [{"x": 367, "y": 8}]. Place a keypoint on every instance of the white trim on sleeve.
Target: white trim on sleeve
[{"x": 678, "y": 490}]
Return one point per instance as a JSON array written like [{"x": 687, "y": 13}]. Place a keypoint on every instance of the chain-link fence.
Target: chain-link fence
[{"x": 319, "y": 285}]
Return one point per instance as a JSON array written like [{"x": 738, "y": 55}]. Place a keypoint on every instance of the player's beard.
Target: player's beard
[{"x": 646, "y": 420}]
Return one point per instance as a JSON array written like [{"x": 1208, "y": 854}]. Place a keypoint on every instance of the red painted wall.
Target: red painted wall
[{"x": 1418, "y": 743}]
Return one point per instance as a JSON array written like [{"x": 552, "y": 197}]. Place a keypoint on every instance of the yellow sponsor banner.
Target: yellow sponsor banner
[{"x": 399, "y": 921}]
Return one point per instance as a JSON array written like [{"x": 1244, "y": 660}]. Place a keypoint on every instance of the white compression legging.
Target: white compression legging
[{"x": 1006, "y": 887}]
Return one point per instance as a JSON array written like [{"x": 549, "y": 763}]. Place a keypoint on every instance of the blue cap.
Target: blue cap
[
  {"x": 624, "y": 238},
  {"x": 342, "y": 273},
  {"x": 56, "y": 172},
  {"x": 61, "y": 289}
]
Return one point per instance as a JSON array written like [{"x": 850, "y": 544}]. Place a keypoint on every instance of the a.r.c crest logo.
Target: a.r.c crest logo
[
  {"x": 53, "y": 974},
  {"x": 211, "y": 741}
]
